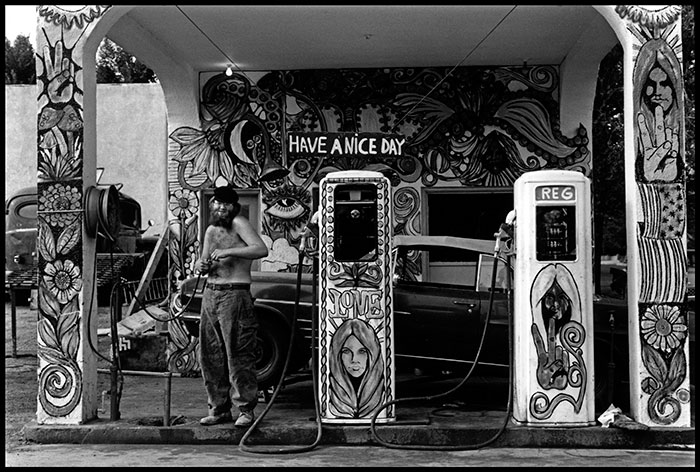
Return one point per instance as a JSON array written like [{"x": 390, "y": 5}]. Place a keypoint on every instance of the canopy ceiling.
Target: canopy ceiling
[{"x": 282, "y": 37}]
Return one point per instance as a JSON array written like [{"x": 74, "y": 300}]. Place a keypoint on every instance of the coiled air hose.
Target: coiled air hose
[
  {"x": 296, "y": 449},
  {"x": 382, "y": 407}
]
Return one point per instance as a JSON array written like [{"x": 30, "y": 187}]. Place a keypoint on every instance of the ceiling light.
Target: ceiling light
[{"x": 229, "y": 71}]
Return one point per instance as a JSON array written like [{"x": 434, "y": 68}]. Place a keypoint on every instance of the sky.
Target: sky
[{"x": 20, "y": 19}]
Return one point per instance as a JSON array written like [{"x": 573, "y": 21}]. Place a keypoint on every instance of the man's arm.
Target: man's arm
[{"x": 203, "y": 264}]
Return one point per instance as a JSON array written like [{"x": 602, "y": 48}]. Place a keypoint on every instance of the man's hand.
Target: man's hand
[
  {"x": 218, "y": 254},
  {"x": 202, "y": 266}
]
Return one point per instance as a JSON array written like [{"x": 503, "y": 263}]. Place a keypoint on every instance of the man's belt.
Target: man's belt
[{"x": 231, "y": 286}]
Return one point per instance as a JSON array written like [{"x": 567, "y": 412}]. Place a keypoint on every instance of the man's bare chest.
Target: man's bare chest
[{"x": 223, "y": 239}]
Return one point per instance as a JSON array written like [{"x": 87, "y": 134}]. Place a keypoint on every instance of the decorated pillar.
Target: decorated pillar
[
  {"x": 67, "y": 370},
  {"x": 656, "y": 212}
]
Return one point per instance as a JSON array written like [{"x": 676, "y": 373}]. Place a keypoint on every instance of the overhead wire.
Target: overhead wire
[{"x": 213, "y": 43}]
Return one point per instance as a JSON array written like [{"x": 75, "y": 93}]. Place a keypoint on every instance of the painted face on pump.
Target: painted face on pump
[
  {"x": 556, "y": 305},
  {"x": 354, "y": 356}
]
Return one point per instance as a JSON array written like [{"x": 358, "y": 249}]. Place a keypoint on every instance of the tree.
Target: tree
[
  {"x": 115, "y": 65},
  {"x": 688, "y": 34},
  {"x": 608, "y": 149},
  {"x": 20, "y": 67}
]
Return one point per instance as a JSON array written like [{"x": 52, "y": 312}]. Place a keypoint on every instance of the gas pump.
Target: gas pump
[
  {"x": 356, "y": 323},
  {"x": 553, "y": 306}
]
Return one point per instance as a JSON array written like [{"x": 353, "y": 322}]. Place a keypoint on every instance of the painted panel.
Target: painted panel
[{"x": 356, "y": 358}]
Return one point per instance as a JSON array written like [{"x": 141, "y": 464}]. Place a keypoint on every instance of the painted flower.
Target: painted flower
[
  {"x": 60, "y": 198},
  {"x": 205, "y": 150},
  {"x": 63, "y": 280},
  {"x": 183, "y": 203},
  {"x": 663, "y": 327}
]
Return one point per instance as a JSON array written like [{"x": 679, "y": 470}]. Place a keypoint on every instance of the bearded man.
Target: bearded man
[{"x": 228, "y": 326}]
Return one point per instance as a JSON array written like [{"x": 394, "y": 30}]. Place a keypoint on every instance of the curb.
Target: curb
[{"x": 305, "y": 434}]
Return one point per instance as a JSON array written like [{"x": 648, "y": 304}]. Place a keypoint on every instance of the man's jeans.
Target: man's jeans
[{"x": 228, "y": 341}]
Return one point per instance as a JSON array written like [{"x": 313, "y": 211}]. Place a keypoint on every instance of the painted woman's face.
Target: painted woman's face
[
  {"x": 556, "y": 303},
  {"x": 658, "y": 90},
  {"x": 354, "y": 356}
]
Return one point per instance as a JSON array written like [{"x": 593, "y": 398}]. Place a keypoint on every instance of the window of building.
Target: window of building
[{"x": 466, "y": 213}]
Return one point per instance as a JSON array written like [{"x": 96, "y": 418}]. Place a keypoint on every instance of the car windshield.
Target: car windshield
[
  {"x": 446, "y": 265},
  {"x": 129, "y": 214}
]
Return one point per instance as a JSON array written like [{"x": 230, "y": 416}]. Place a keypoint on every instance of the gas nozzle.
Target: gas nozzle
[
  {"x": 506, "y": 231},
  {"x": 309, "y": 236}
]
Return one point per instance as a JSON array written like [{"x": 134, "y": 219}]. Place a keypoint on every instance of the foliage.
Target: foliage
[
  {"x": 19, "y": 61},
  {"x": 608, "y": 152},
  {"x": 688, "y": 34},
  {"x": 115, "y": 65}
]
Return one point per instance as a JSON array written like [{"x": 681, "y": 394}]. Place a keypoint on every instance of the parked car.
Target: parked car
[{"x": 438, "y": 317}]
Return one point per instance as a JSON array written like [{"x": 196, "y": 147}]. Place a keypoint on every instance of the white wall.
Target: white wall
[{"x": 131, "y": 143}]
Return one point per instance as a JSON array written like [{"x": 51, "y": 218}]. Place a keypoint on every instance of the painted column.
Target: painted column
[
  {"x": 67, "y": 369},
  {"x": 656, "y": 215},
  {"x": 356, "y": 328}
]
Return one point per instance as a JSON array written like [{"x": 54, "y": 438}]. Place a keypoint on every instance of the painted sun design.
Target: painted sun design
[
  {"x": 649, "y": 16},
  {"x": 663, "y": 327},
  {"x": 68, "y": 16}
]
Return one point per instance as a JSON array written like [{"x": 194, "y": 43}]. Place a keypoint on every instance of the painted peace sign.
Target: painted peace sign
[{"x": 661, "y": 154}]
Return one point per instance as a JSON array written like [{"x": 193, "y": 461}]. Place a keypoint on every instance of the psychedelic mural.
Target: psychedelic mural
[{"x": 479, "y": 127}]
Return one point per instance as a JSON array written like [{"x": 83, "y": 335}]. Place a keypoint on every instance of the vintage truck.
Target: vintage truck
[{"x": 126, "y": 257}]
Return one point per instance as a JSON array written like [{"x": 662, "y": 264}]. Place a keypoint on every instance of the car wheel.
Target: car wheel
[{"x": 273, "y": 342}]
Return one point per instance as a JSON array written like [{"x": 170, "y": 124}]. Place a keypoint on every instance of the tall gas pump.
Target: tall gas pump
[
  {"x": 553, "y": 307},
  {"x": 356, "y": 322}
]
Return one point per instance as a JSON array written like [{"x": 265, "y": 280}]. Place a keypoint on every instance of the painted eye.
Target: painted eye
[{"x": 286, "y": 208}]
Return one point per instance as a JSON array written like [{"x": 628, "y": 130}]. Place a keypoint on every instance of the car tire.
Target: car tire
[{"x": 273, "y": 343}]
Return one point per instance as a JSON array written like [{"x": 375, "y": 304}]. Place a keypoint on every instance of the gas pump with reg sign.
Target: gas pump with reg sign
[
  {"x": 356, "y": 323},
  {"x": 553, "y": 307}
]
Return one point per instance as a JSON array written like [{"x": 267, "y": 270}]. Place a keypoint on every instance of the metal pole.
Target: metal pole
[
  {"x": 113, "y": 400},
  {"x": 611, "y": 360},
  {"x": 166, "y": 399},
  {"x": 13, "y": 299}
]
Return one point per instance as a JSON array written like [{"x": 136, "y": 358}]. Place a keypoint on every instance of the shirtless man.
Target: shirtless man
[{"x": 228, "y": 327}]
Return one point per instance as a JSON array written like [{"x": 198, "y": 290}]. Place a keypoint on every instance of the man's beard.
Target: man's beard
[{"x": 224, "y": 221}]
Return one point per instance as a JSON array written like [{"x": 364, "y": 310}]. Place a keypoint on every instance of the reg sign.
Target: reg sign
[{"x": 555, "y": 193}]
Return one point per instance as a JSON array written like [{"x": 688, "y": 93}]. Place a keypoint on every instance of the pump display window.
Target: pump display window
[{"x": 556, "y": 233}]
